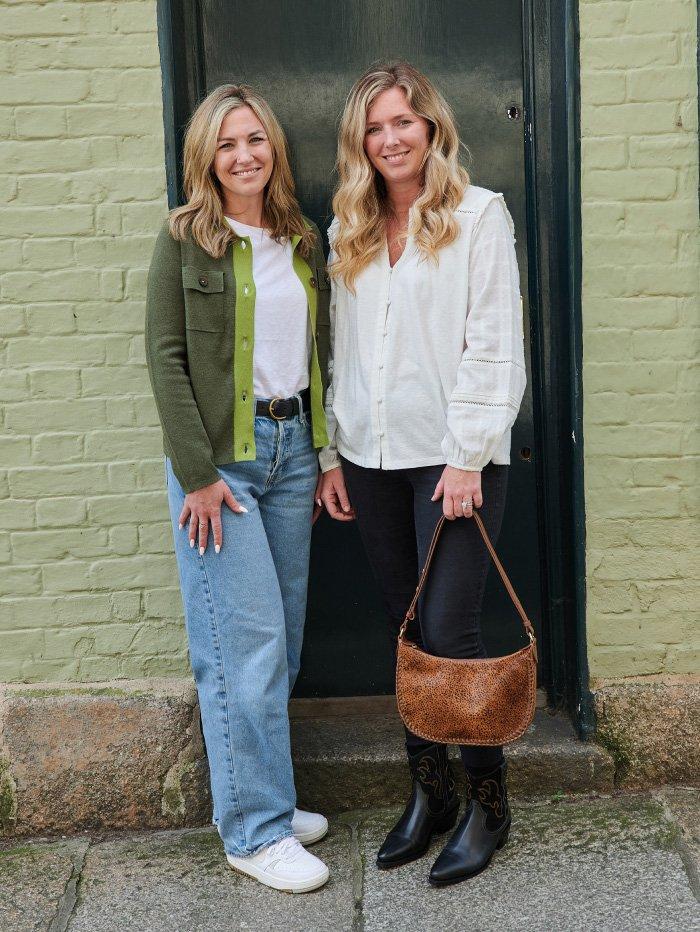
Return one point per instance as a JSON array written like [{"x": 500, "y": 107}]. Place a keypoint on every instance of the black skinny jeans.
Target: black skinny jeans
[{"x": 396, "y": 520}]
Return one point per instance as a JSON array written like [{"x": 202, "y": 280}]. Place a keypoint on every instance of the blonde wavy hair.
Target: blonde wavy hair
[
  {"x": 202, "y": 217},
  {"x": 360, "y": 203}
]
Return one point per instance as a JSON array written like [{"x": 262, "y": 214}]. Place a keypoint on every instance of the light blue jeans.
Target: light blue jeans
[{"x": 244, "y": 611}]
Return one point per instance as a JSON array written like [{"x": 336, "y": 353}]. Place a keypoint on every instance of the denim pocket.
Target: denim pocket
[{"x": 265, "y": 431}]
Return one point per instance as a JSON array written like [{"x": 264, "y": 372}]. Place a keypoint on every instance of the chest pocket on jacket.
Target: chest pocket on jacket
[{"x": 204, "y": 299}]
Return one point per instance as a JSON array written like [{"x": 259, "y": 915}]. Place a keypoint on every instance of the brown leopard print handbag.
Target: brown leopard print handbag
[{"x": 483, "y": 701}]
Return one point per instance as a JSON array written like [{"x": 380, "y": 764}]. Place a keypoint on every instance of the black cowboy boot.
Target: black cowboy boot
[
  {"x": 432, "y": 808},
  {"x": 483, "y": 829}
]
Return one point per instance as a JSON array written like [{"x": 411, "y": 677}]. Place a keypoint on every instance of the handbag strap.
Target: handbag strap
[{"x": 411, "y": 613}]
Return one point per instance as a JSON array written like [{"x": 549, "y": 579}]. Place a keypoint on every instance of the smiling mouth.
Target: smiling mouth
[
  {"x": 246, "y": 173},
  {"x": 395, "y": 156}
]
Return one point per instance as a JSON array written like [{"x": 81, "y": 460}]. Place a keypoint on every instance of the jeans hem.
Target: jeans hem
[{"x": 265, "y": 844}]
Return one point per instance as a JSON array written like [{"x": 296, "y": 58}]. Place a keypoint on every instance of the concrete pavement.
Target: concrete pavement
[{"x": 618, "y": 863}]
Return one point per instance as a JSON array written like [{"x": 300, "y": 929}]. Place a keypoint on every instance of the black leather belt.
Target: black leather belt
[{"x": 281, "y": 409}]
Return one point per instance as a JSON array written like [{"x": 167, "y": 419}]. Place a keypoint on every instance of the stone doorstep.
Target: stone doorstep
[
  {"x": 653, "y": 730},
  {"x": 130, "y": 756},
  {"x": 354, "y": 761}
]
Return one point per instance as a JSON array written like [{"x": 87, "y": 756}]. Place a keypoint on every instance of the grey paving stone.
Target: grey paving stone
[
  {"x": 593, "y": 865},
  {"x": 682, "y": 805},
  {"x": 180, "y": 882},
  {"x": 33, "y": 881},
  {"x": 600, "y": 864}
]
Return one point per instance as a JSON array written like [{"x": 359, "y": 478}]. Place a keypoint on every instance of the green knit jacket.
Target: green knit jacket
[{"x": 199, "y": 350}]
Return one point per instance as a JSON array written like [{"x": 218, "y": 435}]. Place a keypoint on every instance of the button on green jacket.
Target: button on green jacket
[{"x": 199, "y": 350}]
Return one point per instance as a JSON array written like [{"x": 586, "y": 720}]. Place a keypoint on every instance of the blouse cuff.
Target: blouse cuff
[
  {"x": 459, "y": 458},
  {"x": 328, "y": 458}
]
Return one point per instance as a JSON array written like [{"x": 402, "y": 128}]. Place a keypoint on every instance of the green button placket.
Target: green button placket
[
  {"x": 243, "y": 342},
  {"x": 243, "y": 337}
]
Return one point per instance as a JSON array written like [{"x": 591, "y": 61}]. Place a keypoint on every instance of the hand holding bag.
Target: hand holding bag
[{"x": 487, "y": 701}]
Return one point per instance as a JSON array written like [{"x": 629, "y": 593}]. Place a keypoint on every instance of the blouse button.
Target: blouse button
[
  {"x": 245, "y": 289},
  {"x": 203, "y": 282},
  {"x": 243, "y": 246},
  {"x": 312, "y": 282}
]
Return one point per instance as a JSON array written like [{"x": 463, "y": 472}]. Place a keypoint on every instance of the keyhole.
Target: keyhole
[{"x": 513, "y": 113}]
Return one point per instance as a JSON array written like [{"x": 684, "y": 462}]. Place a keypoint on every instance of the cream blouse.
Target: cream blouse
[{"x": 427, "y": 359}]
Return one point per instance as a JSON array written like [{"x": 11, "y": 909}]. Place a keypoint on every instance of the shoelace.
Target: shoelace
[{"x": 284, "y": 850}]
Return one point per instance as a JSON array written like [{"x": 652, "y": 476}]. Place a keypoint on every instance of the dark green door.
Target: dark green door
[{"x": 303, "y": 57}]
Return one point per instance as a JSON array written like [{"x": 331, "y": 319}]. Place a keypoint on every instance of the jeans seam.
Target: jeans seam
[
  {"x": 271, "y": 478},
  {"x": 286, "y": 450},
  {"x": 222, "y": 675}
]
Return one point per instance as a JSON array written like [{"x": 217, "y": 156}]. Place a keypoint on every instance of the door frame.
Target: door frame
[{"x": 553, "y": 199}]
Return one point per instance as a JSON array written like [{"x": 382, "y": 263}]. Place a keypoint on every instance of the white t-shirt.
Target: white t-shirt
[{"x": 282, "y": 336}]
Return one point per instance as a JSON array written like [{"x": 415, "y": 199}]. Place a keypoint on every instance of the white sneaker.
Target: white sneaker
[
  {"x": 309, "y": 827},
  {"x": 284, "y": 865}
]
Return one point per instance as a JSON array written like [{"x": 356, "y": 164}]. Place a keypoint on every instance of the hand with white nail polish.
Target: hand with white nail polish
[
  {"x": 204, "y": 506},
  {"x": 318, "y": 504}
]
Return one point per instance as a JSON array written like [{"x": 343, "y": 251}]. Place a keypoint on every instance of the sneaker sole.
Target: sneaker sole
[
  {"x": 284, "y": 886},
  {"x": 308, "y": 838}
]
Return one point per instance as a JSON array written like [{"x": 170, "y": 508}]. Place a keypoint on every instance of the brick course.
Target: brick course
[
  {"x": 640, "y": 214},
  {"x": 88, "y": 583}
]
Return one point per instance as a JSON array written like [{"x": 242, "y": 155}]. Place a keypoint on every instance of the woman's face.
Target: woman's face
[
  {"x": 244, "y": 160},
  {"x": 396, "y": 138}
]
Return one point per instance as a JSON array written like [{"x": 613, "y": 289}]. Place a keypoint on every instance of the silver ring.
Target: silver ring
[{"x": 466, "y": 502}]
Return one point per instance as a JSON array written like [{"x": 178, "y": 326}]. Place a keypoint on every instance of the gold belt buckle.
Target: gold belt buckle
[{"x": 272, "y": 409}]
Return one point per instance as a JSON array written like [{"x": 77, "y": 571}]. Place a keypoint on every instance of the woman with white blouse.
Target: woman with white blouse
[{"x": 427, "y": 376}]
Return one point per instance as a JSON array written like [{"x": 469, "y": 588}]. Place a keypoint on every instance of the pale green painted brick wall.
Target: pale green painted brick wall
[
  {"x": 640, "y": 340},
  {"x": 88, "y": 587},
  {"x": 87, "y": 580}
]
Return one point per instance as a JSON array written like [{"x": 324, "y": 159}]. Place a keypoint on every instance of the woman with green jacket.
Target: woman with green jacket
[{"x": 236, "y": 344}]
